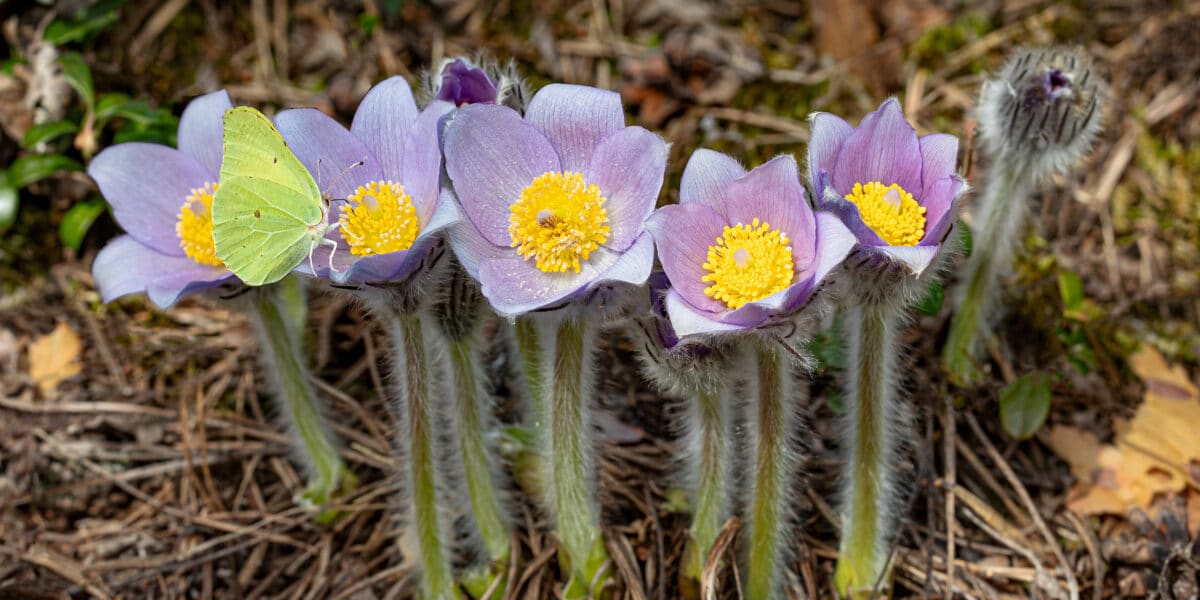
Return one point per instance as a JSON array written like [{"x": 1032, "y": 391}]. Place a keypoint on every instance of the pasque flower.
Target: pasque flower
[
  {"x": 384, "y": 176},
  {"x": 162, "y": 197},
  {"x": 742, "y": 248},
  {"x": 555, "y": 202},
  {"x": 894, "y": 190}
]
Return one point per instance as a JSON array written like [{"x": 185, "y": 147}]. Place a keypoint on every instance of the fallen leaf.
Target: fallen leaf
[
  {"x": 1153, "y": 454},
  {"x": 54, "y": 357}
]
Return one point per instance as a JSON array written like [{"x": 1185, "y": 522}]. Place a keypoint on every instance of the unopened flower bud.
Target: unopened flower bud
[{"x": 1043, "y": 109}]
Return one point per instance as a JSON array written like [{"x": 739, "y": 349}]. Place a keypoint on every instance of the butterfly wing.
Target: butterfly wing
[{"x": 267, "y": 209}]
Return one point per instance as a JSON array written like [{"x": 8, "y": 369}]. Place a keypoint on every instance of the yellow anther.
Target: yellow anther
[
  {"x": 748, "y": 263},
  {"x": 195, "y": 226},
  {"x": 890, "y": 212},
  {"x": 379, "y": 218},
  {"x": 558, "y": 221}
]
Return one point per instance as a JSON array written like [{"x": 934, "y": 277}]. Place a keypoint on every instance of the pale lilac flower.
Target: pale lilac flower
[
  {"x": 742, "y": 249},
  {"x": 464, "y": 83},
  {"x": 383, "y": 175},
  {"x": 162, "y": 197},
  {"x": 895, "y": 191},
  {"x": 555, "y": 202}
]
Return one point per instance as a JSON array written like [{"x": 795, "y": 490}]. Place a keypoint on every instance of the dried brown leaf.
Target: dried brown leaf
[{"x": 54, "y": 357}]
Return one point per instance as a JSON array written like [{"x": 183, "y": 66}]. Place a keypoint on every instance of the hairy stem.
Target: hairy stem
[
  {"x": 708, "y": 458},
  {"x": 415, "y": 412},
  {"x": 278, "y": 321},
  {"x": 995, "y": 239},
  {"x": 872, "y": 411},
  {"x": 774, "y": 461},
  {"x": 529, "y": 346}
]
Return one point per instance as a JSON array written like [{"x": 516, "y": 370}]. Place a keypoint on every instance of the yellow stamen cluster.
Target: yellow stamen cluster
[
  {"x": 195, "y": 226},
  {"x": 558, "y": 221},
  {"x": 379, "y": 218},
  {"x": 890, "y": 212},
  {"x": 748, "y": 263}
]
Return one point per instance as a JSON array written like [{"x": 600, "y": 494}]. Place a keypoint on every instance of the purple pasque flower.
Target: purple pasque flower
[
  {"x": 461, "y": 82},
  {"x": 162, "y": 197},
  {"x": 742, "y": 249},
  {"x": 384, "y": 175},
  {"x": 895, "y": 191},
  {"x": 555, "y": 202}
]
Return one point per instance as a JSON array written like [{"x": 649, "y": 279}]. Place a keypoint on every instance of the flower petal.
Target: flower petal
[
  {"x": 382, "y": 123},
  {"x": 397, "y": 266},
  {"x": 491, "y": 156},
  {"x": 632, "y": 266},
  {"x": 327, "y": 149},
  {"x": 472, "y": 248},
  {"x": 939, "y": 208},
  {"x": 687, "y": 320},
  {"x": 146, "y": 185},
  {"x": 829, "y": 132},
  {"x": 883, "y": 148},
  {"x": 683, "y": 234},
  {"x": 705, "y": 178},
  {"x": 629, "y": 167},
  {"x": 851, "y": 218},
  {"x": 916, "y": 258},
  {"x": 515, "y": 286},
  {"x": 939, "y": 154},
  {"x": 201, "y": 129},
  {"x": 125, "y": 266},
  {"x": 575, "y": 119},
  {"x": 834, "y": 243},
  {"x": 772, "y": 193},
  {"x": 422, "y": 170}
]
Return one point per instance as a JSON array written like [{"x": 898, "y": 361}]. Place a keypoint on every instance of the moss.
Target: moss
[{"x": 938, "y": 42}]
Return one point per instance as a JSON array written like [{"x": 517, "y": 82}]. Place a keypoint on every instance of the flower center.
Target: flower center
[
  {"x": 195, "y": 226},
  {"x": 748, "y": 263},
  {"x": 890, "y": 212},
  {"x": 558, "y": 221},
  {"x": 379, "y": 218}
]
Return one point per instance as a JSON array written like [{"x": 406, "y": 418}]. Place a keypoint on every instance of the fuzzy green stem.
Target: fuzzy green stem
[
  {"x": 472, "y": 417},
  {"x": 529, "y": 346},
  {"x": 567, "y": 447},
  {"x": 774, "y": 472},
  {"x": 995, "y": 239},
  {"x": 416, "y": 413},
  {"x": 709, "y": 459},
  {"x": 275, "y": 313},
  {"x": 872, "y": 408}
]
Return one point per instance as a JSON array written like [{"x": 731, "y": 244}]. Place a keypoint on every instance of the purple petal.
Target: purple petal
[
  {"x": 883, "y": 148},
  {"x": 491, "y": 156},
  {"x": 849, "y": 215},
  {"x": 829, "y": 132},
  {"x": 463, "y": 83},
  {"x": 629, "y": 167},
  {"x": 706, "y": 177},
  {"x": 834, "y": 243},
  {"x": 772, "y": 193},
  {"x": 939, "y": 153},
  {"x": 422, "y": 171},
  {"x": 939, "y": 214},
  {"x": 683, "y": 234},
  {"x": 201, "y": 129},
  {"x": 515, "y": 286},
  {"x": 687, "y": 320},
  {"x": 327, "y": 149},
  {"x": 633, "y": 265},
  {"x": 916, "y": 258},
  {"x": 146, "y": 185},
  {"x": 575, "y": 119},
  {"x": 125, "y": 266},
  {"x": 472, "y": 248},
  {"x": 382, "y": 123}
]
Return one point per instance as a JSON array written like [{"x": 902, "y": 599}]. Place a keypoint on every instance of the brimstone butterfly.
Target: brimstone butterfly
[{"x": 268, "y": 214}]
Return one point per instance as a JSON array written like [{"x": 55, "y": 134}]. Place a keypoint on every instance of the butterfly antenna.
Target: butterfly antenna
[{"x": 326, "y": 193}]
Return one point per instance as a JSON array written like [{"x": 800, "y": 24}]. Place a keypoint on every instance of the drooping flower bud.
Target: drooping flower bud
[{"x": 1043, "y": 109}]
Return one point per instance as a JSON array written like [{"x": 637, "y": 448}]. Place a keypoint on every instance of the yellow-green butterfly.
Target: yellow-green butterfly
[{"x": 268, "y": 214}]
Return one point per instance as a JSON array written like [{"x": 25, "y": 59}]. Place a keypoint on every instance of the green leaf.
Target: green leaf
[
  {"x": 44, "y": 132},
  {"x": 10, "y": 199},
  {"x": 36, "y": 167},
  {"x": 78, "y": 221},
  {"x": 1024, "y": 405},
  {"x": 111, "y": 106},
  {"x": 84, "y": 23},
  {"x": 79, "y": 76},
  {"x": 1070, "y": 287},
  {"x": 931, "y": 303}
]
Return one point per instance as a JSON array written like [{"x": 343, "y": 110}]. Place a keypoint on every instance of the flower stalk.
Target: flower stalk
[
  {"x": 278, "y": 314},
  {"x": 772, "y": 421},
  {"x": 873, "y": 408},
  {"x": 709, "y": 459}
]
